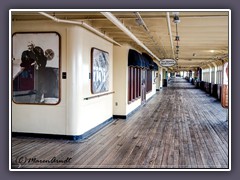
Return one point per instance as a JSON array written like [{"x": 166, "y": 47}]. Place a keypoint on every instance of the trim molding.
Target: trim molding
[
  {"x": 133, "y": 111},
  {"x": 66, "y": 137},
  {"x": 119, "y": 116}
]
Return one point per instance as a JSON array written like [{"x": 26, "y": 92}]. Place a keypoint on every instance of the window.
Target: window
[
  {"x": 100, "y": 71},
  {"x": 213, "y": 76},
  {"x": 219, "y": 75},
  {"x": 149, "y": 80},
  {"x": 35, "y": 64},
  {"x": 134, "y": 83}
]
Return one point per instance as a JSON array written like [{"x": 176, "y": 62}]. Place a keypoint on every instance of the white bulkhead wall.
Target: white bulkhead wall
[
  {"x": 47, "y": 119},
  {"x": 120, "y": 83},
  {"x": 73, "y": 115},
  {"x": 160, "y": 77},
  {"x": 85, "y": 114},
  {"x": 151, "y": 93}
]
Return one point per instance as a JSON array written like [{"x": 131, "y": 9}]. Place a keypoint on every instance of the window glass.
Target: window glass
[
  {"x": 100, "y": 71},
  {"x": 135, "y": 82},
  {"x": 35, "y": 68}
]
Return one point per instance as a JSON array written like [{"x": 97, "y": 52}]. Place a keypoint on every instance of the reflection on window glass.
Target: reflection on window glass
[
  {"x": 35, "y": 62},
  {"x": 100, "y": 71}
]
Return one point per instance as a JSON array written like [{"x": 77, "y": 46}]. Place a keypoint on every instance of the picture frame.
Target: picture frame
[
  {"x": 99, "y": 71},
  {"x": 36, "y": 67}
]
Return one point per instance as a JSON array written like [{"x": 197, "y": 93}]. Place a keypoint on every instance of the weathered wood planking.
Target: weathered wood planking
[{"x": 180, "y": 127}]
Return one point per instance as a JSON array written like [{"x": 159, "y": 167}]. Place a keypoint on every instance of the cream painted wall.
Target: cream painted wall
[
  {"x": 49, "y": 119},
  {"x": 133, "y": 105},
  {"x": 86, "y": 114},
  {"x": 120, "y": 79},
  {"x": 120, "y": 83},
  {"x": 150, "y": 94},
  {"x": 157, "y": 80},
  {"x": 160, "y": 72},
  {"x": 73, "y": 115}
]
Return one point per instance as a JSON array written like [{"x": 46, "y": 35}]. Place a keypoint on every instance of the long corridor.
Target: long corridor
[{"x": 180, "y": 127}]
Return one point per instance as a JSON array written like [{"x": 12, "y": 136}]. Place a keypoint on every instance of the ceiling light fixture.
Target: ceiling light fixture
[
  {"x": 140, "y": 21},
  {"x": 176, "y": 19}
]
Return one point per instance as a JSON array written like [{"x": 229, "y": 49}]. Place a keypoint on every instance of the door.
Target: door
[{"x": 143, "y": 86}]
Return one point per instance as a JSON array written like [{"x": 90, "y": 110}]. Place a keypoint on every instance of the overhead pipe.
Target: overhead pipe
[
  {"x": 81, "y": 23},
  {"x": 141, "y": 21},
  {"x": 170, "y": 33},
  {"x": 121, "y": 26},
  {"x": 146, "y": 28}
]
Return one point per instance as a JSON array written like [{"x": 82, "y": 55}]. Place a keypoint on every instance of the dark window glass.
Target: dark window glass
[{"x": 35, "y": 68}]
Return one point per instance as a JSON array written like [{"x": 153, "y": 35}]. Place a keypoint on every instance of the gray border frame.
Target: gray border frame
[{"x": 233, "y": 5}]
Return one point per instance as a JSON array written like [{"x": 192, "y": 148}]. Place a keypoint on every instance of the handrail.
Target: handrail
[{"x": 91, "y": 97}]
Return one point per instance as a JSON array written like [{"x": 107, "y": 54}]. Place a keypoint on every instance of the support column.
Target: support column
[
  {"x": 210, "y": 73},
  {"x": 215, "y": 72},
  {"x": 160, "y": 72}
]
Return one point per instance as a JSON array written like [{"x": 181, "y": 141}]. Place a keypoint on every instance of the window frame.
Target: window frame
[
  {"x": 92, "y": 70},
  {"x": 59, "y": 66}
]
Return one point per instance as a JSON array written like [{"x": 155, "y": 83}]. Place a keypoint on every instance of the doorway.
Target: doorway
[{"x": 143, "y": 86}]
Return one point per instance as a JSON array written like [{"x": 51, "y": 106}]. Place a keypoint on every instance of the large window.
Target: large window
[
  {"x": 149, "y": 80},
  {"x": 213, "y": 75},
  {"x": 140, "y": 67},
  {"x": 35, "y": 68},
  {"x": 206, "y": 75},
  {"x": 134, "y": 82},
  {"x": 219, "y": 75}
]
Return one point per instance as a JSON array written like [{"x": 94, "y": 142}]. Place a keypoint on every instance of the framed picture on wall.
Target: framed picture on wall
[
  {"x": 35, "y": 67},
  {"x": 99, "y": 71}
]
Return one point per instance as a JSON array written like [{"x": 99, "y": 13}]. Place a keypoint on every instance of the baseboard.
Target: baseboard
[
  {"x": 41, "y": 135},
  {"x": 119, "y": 116},
  {"x": 132, "y": 112},
  {"x": 128, "y": 115},
  {"x": 95, "y": 129},
  {"x": 65, "y": 137}
]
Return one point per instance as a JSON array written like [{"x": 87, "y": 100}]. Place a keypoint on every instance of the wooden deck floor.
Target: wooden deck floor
[{"x": 180, "y": 127}]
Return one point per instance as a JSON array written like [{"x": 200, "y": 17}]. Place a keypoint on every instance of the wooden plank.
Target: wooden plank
[{"x": 181, "y": 127}]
